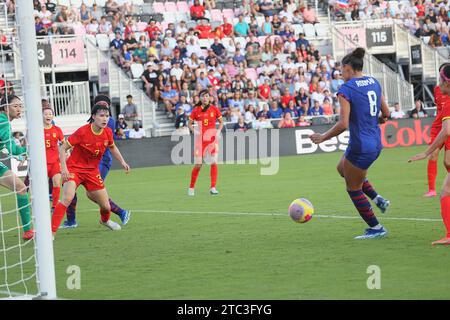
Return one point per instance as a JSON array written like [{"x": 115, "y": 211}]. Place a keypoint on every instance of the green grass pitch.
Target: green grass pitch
[{"x": 242, "y": 245}]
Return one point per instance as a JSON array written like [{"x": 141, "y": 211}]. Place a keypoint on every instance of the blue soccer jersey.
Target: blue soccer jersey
[{"x": 364, "y": 96}]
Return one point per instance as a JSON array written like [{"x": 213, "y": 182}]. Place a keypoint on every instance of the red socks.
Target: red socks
[
  {"x": 105, "y": 215},
  {"x": 445, "y": 212},
  {"x": 432, "y": 173},
  {"x": 58, "y": 215},
  {"x": 55, "y": 195},
  {"x": 194, "y": 176},
  {"x": 213, "y": 175}
]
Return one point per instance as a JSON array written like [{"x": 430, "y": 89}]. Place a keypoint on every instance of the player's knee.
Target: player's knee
[
  {"x": 105, "y": 207},
  {"x": 447, "y": 164},
  {"x": 340, "y": 170}
]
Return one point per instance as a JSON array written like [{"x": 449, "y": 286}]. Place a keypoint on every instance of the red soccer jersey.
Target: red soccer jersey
[
  {"x": 52, "y": 135},
  {"x": 442, "y": 108},
  {"x": 88, "y": 148},
  {"x": 207, "y": 121},
  {"x": 197, "y": 11},
  {"x": 264, "y": 91},
  {"x": 227, "y": 29}
]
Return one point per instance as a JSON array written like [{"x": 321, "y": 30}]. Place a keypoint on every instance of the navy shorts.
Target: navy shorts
[{"x": 362, "y": 160}]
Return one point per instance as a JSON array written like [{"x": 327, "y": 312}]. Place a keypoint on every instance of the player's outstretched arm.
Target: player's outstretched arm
[
  {"x": 339, "y": 127},
  {"x": 65, "y": 146},
  {"x": 116, "y": 154},
  {"x": 385, "y": 112},
  {"x": 438, "y": 142}
]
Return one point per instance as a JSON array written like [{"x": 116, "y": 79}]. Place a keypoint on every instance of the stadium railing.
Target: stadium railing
[
  {"x": 402, "y": 42},
  {"x": 395, "y": 89}
]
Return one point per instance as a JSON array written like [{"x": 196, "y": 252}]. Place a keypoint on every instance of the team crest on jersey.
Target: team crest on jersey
[
  {"x": 212, "y": 114},
  {"x": 106, "y": 143},
  {"x": 54, "y": 134}
]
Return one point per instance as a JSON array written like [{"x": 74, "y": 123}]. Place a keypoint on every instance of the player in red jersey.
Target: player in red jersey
[
  {"x": 88, "y": 145},
  {"x": 53, "y": 138},
  {"x": 443, "y": 138},
  {"x": 206, "y": 144},
  {"x": 442, "y": 101}
]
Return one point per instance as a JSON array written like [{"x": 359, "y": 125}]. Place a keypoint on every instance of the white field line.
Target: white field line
[{"x": 381, "y": 216}]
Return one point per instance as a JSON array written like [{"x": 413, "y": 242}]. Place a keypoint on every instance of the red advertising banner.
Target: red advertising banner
[
  {"x": 68, "y": 52},
  {"x": 406, "y": 133}
]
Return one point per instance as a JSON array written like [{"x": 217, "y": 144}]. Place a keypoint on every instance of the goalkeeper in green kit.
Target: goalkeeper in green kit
[{"x": 10, "y": 109}]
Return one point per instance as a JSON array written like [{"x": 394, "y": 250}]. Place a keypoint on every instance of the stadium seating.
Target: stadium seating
[{"x": 103, "y": 42}]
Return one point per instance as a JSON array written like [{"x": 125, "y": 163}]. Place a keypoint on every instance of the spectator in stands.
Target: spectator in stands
[
  {"x": 286, "y": 98},
  {"x": 286, "y": 121},
  {"x": 197, "y": 11},
  {"x": 264, "y": 90},
  {"x": 302, "y": 122},
  {"x": 105, "y": 26},
  {"x": 140, "y": 54},
  {"x": 203, "y": 81},
  {"x": 181, "y": 123},
  {"x": 262, "y": 123},
  {"x": 302, "y": 41},
  {"x": 241, "y": 125},
  {"x": 62, "y": 16},
  {"x": 137, "y": 132},
  {"x": 219, "y": 49},
  {"x": 241, "y": 29},
  {"x": 96, "y": 12},
  {"x": 111, "y": 7},
  {"x": 418, "y": 111},
  {"x": 46, "y": 16},
  {"x": 121, "y": 127},
  {"x": 152, "y": 30},
  {"x": 39, "y": 27},
  {"x": 131, "y": 41},
  {"x": 316, "y": 110},
  {"x": 275, "y": 112},
  {"x": 85, "y": 15},
  {"x": 227, "y": 28},
  {"x": 170, "y": 99},
  {"x": 187, "y": 107},
  {"x": 266, "y": 7},
  {"x": 253, "y": 57},
  {"x": 398, "y": 112},
  {"x": 276, "y": 24},
  {"x": 249, "y": 115},
  {"x": 302, "y": 100},
  {"x": 92, "y": 27},
  {"x": 130, "y": 110},
  {"x": 292, "y": 109},
  {"x": 264, "y": 112},
  {"x": 327, "y": 107}
]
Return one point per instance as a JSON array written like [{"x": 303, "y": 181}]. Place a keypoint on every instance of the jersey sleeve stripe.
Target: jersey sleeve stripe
[
  {"x": 343, "y": 96},
  {"x": 445, "y": 118}
]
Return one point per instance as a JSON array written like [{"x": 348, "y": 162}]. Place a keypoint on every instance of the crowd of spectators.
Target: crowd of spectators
[
  {"x": 256, "y": 67},
  {"x": 428, "y": 19}
]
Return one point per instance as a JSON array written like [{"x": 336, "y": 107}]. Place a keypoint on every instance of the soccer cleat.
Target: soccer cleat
[
  {"x": 430, "y": 194},
  {"x": 125, "y": 216},
  {"x": 214, "y": 191},
  {"x": 28, "y": 235},
  {"x": 191, "y": 192},
  {"x": 372, "y": 234},
  {"x": 114, "y": 226},
  {"x": 382, "y": 203},
  {"x": 69, "y": 225},
  {"x": 442, "y": 242}
]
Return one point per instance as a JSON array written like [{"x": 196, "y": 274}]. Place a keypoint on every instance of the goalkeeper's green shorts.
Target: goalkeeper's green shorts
[{"x": 3, "y": 169}]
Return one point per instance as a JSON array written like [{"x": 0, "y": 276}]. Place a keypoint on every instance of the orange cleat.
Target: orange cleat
[
  {"x": 28, "y": 235},
  {"x": 442, "y": 242}
]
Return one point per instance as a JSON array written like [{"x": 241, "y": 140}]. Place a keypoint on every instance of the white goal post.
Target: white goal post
[{"x": 38, "y": 176}]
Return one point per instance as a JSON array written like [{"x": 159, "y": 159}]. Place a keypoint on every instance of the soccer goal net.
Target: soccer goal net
[{"x": 26, "y": 249}]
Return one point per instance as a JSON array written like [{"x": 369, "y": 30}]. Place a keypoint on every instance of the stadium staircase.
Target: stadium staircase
[{"x": 154, "y": 120}]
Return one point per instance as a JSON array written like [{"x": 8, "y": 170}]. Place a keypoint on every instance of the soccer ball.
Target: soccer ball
[{"x": 301, "y": 210}]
